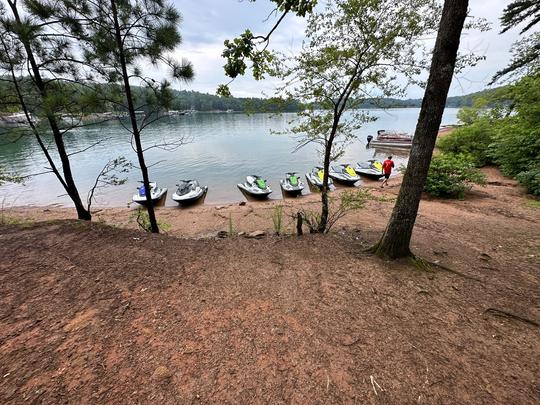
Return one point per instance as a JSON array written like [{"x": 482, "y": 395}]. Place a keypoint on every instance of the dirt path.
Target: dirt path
[{"x": 91, "y": 313}]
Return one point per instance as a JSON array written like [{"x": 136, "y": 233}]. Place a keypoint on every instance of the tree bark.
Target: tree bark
[
  {"x": 395, "y": 242},
  {"x": 68, "y": 182},
  {"x": 324, "y": 191},
  {"x": 133, "y": 118}
]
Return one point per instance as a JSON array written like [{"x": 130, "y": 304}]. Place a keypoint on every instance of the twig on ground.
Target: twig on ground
[{"x": 375, "y": 383}]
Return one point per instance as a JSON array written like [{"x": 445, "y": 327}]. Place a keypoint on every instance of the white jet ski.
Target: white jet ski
[
  {"x": 344, "y": 174},
  {"x": 189, "y": 192},
  {"x": 156, "y": 194},
  {"x": 292, "y": 184},
  {"x": 371, "y": 169},
  {"x": 255, "y": 186},
  {"x": 315, "y": 178}
]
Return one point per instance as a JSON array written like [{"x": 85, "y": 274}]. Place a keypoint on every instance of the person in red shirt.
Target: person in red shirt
[{"x": 387, "y": 166}]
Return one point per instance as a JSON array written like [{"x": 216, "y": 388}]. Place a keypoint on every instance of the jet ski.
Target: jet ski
[
  {"x": 315, "y": 177},
  {"x": 344, "y": 174},
  {"x": 189, "y": 192},
  {"x": 255, "y": 186},
  {"x": 156, "y": 194},
  {"x": 292, "y": 184},
  {"x": 371, "y": 169}
]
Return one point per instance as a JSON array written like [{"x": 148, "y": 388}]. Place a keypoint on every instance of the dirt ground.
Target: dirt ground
[{"x": 91, "y": 313}]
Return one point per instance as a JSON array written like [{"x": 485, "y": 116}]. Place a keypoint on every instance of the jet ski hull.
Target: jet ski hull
[
  {"x": 289, "y": 189},
  {"x": 292, "y": 191},
  {"x": 371, "y": 169},
  {"x": 190, "y": 198},
  {"x": 315, "y": 181},
  {"x": 254, "y": 192},
  {"x": 156, "y": 197},
  {"x": 372, "y": 174},
  {"x": 350, "y": 181}
]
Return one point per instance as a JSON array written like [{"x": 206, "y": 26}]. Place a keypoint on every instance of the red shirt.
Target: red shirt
[{"x": 387, "y": 166}]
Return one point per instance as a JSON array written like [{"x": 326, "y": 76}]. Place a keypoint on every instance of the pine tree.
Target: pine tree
[
  {"x": 116, "y": 36},
  {"x": 28, "y": 45},
  {"x": 526, "y": 52}
]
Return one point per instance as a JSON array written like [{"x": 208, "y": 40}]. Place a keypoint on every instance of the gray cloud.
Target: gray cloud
[{"x": 207, "y": 23}]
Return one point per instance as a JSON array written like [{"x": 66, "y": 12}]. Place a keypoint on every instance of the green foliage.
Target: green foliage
[
  {"x": 507, "y": 134},
  {"x": 533, "y": 204},
  {"x": 277, "y": 219},
  {"x": 516, "y": 145},
  {"x": 143, "y": 221},
  {"x": 473, "y": 139},
  {"x": 348, "y": 202},
  {"x": 526, "y": 51},
  {"x": 451, "y": 175},
  {"x": 531, "y": 180},
  {"x": 6, "y": 177},
  {"x": 248, "y": 48},
  {"x": 230, "y": 231},
  {"x": 468, "y": 115}
]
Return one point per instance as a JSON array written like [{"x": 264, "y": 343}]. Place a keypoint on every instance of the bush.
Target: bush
[
  {"x": 473, "y": 140},
  {"x": 531, "y": 180},
  {"x": 516, "y": 149},
  {"x": 451, "y": 175}
]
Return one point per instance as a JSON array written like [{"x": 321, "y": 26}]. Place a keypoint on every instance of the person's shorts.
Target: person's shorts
[{"x": 387, "y": 176}]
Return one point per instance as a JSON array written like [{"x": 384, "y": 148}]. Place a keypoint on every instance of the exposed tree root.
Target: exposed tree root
[
  {"x": 504, "y": 314},
  {"x": 448, "y": 269}
]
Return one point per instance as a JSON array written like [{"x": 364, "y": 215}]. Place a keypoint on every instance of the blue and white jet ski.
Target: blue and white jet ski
[{"x": 156, "y": 194}]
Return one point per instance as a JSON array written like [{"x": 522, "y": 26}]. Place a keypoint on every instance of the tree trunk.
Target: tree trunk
[
  {"x": 68, "y": 182},
  {"x": 324, "y": 195},
  {"x": 133, "y": 118},
  {"x": 395, "y": 242}
]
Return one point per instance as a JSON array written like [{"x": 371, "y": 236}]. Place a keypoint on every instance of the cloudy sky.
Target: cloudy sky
[{"x": 207, "y": 23}]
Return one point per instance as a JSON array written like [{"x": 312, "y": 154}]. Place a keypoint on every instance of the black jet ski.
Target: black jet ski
[
  {"x": 156, "y": 194},
  {"x": 371, "y": 169},
  {"x": 315, "y": 178},
  {"x": 255, "y": 186},
  {"x": 343, "y": 174},
  {"x": 292, "y": 184},
  {"x": 189, "y": 192}
]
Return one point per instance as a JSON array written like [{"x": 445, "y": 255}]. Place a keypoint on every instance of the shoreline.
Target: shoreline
[{"x": 209, "y": 220}]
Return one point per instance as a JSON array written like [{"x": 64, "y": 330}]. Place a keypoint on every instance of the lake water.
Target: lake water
[{"x": 224, "y": 149}]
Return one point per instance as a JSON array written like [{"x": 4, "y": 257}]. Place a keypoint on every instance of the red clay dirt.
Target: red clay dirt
[{"x": 95, "y": 314}]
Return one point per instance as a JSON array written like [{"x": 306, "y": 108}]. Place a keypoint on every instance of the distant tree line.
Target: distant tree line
[{"x": 193, "y": 100}]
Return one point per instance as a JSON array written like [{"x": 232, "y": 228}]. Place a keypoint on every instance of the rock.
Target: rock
[
  {"x": 222, "y": 234},
  {"x": 257, "y": 234},
  {"x": 242, "y": 203},
  {"x": 241, "y": 233},
  {"x": 161, "y": 373}
]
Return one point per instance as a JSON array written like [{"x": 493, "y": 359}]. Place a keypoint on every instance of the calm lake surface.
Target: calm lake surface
[{"x": 224, "y": 149}]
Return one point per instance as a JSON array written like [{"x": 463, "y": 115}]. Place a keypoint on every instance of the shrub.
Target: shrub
[
  {"x": 451, "y": 175},
  {"x": 277, "y": 219},
  {"x": 516, "y": 149},
  {"x": 143, "y": 220},
  {"x": 473, "y": 140},
  {"x": 531, "y": 180}
]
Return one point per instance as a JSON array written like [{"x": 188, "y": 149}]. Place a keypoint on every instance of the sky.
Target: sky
[{"x": 207, "y": 23}]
